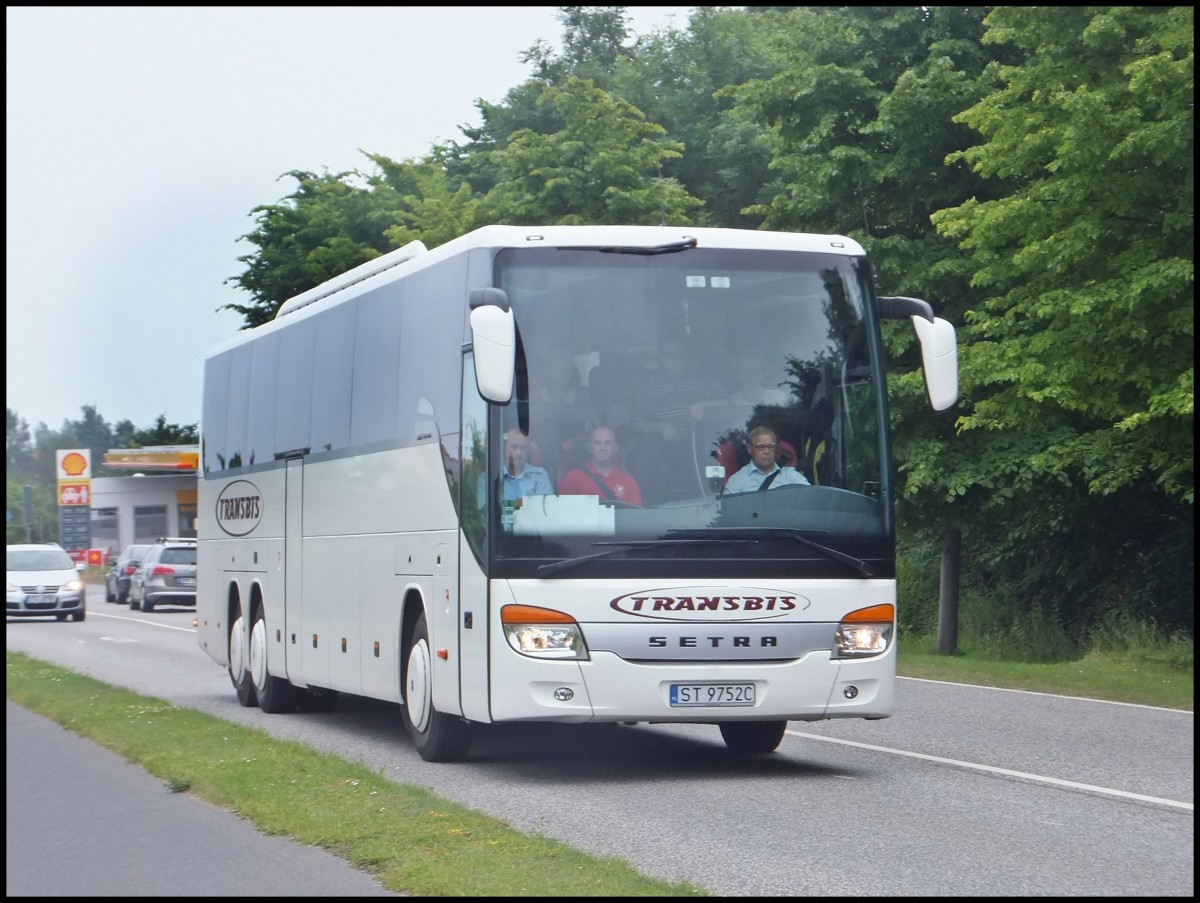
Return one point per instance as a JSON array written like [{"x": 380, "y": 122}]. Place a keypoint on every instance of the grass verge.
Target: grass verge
[
  {"x": 1129, "y": 677},
  {"x": 412, "y": 841}
]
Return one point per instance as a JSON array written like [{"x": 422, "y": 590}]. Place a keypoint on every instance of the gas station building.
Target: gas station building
[{"x": 157, "y": 498}]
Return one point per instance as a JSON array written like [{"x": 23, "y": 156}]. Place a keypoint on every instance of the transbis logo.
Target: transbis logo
[
  {"x": 239, "y": 508},
  {"x": 699, "y": 603}
]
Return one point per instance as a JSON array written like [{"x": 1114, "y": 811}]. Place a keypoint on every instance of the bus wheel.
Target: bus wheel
[
  {"x": 239, "y": 668},
  {"x": 437, "y": 736},
  {"x": 275, "y": 694},
  {"x": 753, "y": 737}
]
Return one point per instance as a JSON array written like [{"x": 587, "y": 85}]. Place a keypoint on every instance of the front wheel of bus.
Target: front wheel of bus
[
  {"x": 239, "y": 668},
  {"x": 275, "y": 694},
  {"x": 437, "y": 736},
  {"x": 753, "y": 737}
]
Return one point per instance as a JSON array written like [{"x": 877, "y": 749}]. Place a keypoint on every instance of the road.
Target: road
[{"x": 966, "y": 791}]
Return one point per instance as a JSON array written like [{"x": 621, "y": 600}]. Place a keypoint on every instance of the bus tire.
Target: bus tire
[
  {"x": 238, "y": 667},
  {"x": 752, "y": 738},
  {"x": 438, "y": 737},
  {"x": 275, "y": 694}
]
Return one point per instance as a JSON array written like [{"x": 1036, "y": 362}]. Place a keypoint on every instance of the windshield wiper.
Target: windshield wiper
[
  {"x": 618, "y": 546},
  {"x": 749, "y": 534},
  {"x": 668, "y": 248}
]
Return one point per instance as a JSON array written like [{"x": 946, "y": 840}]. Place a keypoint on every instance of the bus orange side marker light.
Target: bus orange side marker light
[{"x": 443, "y": 654}]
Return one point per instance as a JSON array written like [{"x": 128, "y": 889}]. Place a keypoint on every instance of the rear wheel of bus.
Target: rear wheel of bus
[
  {"x": 753, "y": 737},
  {"x": 239, "y": 666},
  {"x": 275, "y": 694},
  {"x": 437, "y": 736}
]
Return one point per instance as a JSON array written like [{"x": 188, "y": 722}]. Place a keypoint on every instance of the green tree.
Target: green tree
[
  {"x": 32, "y": 460},
  {"x": 327, "y": 226},
  {"x": 1091, "y": 259},
  {"x": 426, "y": 205},
  {"x": 21, "y": 469},
  {"x": 684, "y": 79},
  {"x": 163, "y": 433},
  {"x": 44, "y": 526},
  {"x": 91, "y": 432},
  {"x": 603, "y": 166},
  {"x": 594, "y": 40},
  {"x": 1079, "y": 351},
  {"x": 19, "y": 460}
]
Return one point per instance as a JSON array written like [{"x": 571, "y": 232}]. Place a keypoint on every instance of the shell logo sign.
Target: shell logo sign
[
  {"x": 74, "y": 464},
  {"x": 74, "y": 478}
]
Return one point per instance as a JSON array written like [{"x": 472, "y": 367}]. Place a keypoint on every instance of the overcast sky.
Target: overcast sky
[{"x": 139, "y": 140}]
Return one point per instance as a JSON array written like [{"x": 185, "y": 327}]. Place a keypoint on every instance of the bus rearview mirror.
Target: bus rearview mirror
[
  {"x": 494, "y": 338},
  {"x": 939, "y": 359}
]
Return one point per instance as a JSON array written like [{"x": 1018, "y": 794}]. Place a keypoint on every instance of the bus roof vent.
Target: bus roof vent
[{"x": 351, "y": 277}]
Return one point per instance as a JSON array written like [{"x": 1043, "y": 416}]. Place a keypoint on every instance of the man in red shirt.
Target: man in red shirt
[{"x": 599, "y": 475}]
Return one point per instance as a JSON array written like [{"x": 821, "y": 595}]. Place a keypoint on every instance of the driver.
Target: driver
[{"x": 763, "y": 472}]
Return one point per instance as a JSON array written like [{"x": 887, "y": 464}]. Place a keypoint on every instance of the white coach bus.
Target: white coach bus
[{"x": 354, "y": 535}]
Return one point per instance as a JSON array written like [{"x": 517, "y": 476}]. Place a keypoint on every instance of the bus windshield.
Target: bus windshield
[{"x": 642, "y": 378}]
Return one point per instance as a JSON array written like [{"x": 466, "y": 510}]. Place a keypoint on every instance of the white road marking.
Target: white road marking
[{"x": 1071, "y": 785}]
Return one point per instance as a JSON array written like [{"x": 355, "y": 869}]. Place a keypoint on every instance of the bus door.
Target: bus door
[
  {"x": 293, "y": 545},
  {"x": 471, "y": 598}
]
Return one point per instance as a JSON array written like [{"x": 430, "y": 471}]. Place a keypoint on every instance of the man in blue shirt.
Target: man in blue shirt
[
  {"x": 520, "y": 477},
  {"x": 762, "y": 467}
]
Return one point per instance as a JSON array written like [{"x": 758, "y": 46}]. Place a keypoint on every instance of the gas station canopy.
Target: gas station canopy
[{"x": 172, "y": 458}]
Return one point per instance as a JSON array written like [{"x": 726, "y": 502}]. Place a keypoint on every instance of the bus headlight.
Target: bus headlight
[
  {"x": 543, "y": 633},
  {"x": 867, "y": 631}
]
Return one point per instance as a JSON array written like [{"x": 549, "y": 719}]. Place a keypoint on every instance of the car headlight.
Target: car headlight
[
  {"x": 867, "y": 631},
  {"x": 543, "y": 633},
  {"x": 72, "y": 586}
]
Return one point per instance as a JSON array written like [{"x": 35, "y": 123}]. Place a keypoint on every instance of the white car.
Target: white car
[{"x": 42, "y": 580}]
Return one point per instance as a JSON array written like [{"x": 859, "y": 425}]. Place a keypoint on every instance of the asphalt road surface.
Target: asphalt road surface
[{"x": 965, "y": 791}]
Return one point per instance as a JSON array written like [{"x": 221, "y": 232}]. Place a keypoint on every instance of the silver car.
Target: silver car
[
  {"x": 166, "y": 576},
  {"x": 42, "y": 580}
]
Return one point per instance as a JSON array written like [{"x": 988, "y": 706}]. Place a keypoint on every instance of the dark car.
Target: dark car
[
  {"x": 116, "y": 581},
  {"x": 166, "y": 576}
]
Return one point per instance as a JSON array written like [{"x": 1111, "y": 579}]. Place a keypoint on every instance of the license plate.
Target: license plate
[
  {"x": 41, "y": 598},
  {"x": 712, "y": 694},
  {"x": 186, "y": 581}
]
